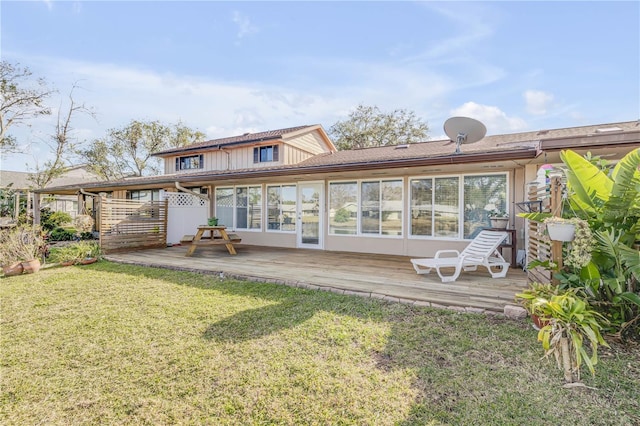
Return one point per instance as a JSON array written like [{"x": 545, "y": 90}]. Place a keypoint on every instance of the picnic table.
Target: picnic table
[{"x": 218, "y": 235}]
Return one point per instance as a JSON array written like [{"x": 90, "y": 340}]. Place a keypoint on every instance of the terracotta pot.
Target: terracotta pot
[
  {"x": 31, "y": 266},
  {"x": 537, "y": 322},
  {"x": 88, "y": 260},
  {"x": 67, "y": 263},
  {"x": 13, "y": 269}
]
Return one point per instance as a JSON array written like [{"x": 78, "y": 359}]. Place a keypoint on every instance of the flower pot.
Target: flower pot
[
  {"x": 499, "y": 222},
  {"x": 31, "y": 266},
  {"x": 88, "y": 260},
  {"x": 213, "y": 222},
  {"x": 537, "y": 322},
  {"x": 13, "y": 269},
  {"x": 561, "y": 231}
]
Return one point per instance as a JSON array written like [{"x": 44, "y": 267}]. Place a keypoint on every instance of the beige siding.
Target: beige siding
[
  {"x": 312, "y": 143},
  {"x": 294, "y": 155}
]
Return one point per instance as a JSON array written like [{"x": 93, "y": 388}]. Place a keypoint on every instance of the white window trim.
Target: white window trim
[
  {"x": 266, "y": 207},
  {"x": 233, "y": 188},
  {"x": 460, "y": 202},
  {"x": 358, "y": 233}
]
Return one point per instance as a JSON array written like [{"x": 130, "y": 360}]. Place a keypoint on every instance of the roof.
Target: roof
[
  {"x": 20, "y": 180},
  {"x": 524, "y": 145},
  {"x": 247, "y": 138}
]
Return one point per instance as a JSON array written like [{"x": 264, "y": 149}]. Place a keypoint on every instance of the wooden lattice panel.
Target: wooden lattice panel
[{"x": 130, "y": 224}]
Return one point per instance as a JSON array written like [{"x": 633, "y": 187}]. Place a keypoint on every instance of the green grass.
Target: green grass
[{"x": 115, "y": 344}]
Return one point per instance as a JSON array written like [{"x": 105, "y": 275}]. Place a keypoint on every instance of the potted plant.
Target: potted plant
[
  {"x": 213, "y": 221},
  {"x": 22, "y": 244},
  {"x": 10, "y": 263},
  {"x": 499, "y": 219},
  {"x": 570, "y": 323},
  {"x": 560, "y": 229},
  {"x": 534, "y": 296}
]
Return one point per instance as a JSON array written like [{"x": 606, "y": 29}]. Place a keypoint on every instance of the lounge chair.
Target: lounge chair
[{"x": 482, "y": 251}]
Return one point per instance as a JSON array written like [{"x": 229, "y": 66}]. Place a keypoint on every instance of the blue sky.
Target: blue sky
[{"x": 227, "y": 68}]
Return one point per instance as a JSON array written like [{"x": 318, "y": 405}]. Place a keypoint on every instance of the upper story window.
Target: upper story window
[
  {"x": 265, "y": 154},
  {"x": 190, "y": 162}
]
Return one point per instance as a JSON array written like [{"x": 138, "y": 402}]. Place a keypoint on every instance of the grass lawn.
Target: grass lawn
[{"x": 116, "y": 344}]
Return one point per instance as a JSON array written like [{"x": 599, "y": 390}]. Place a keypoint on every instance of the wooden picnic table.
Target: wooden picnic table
[{"x": 218, "y": 234}]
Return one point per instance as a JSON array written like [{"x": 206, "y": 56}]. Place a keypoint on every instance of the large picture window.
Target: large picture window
[
  {"x": 366, "y": 208},
  {"x": 281, "y": 208},
  {"x": 239, "y": 207},
  {"x": 455, "y": 206}
]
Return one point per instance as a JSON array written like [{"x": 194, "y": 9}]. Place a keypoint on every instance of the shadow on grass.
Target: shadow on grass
[{"x": 466, "y": 366}]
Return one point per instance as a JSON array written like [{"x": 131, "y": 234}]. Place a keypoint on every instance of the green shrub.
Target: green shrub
[
  {"x": 51, "y": 220},
  {"x": 62, "y": 234},
  {"x": 75, "y": 252}
]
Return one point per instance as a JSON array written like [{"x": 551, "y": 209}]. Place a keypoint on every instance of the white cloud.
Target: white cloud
[
  {"x": 245, "y": 27},
  {"x": 537, "y": 101},
  {"x": 492, "y": 117}
]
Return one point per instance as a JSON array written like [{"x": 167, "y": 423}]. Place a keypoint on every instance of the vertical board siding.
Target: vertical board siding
[
  {"x": 131, "y": 224},
  {"x": 311, "y": 143}
]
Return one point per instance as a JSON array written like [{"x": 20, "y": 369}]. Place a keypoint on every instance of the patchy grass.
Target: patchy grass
[{"x": 116, "y": 344}]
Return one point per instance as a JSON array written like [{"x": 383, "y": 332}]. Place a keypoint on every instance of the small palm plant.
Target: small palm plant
[{"x": 569, "y": 324}]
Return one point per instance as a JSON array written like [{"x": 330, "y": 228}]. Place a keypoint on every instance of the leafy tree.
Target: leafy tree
[
  {"x": 21, "y": 99},
  {"x": 128, "y": 151},
  {"x": 367, "y": 126}
]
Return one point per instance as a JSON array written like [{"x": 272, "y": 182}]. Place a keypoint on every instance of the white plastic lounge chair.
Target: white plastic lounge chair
[{"x": 482, "y": 251}]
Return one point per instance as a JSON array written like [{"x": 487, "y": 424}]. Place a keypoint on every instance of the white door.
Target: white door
[{"x": 310, "y": 208}]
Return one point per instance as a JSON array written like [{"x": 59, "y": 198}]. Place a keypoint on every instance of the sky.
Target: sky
[{"x": 227, "y": 68}]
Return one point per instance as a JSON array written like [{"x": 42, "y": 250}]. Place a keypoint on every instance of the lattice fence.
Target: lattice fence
[
  {"x": 548, "y": 199},
  {"x": 181, "y": 199},
  {"x": 131, "y": 225}
]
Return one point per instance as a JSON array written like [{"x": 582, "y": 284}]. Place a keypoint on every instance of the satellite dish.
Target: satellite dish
[{"x": 464, "y": 130}]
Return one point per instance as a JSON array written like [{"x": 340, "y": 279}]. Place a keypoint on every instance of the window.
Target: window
[
  {"x": 190, "y": 162},
  {"x": 366, "y": 208},
  {"x": 438, "y": 210},
  {"x": 144, "y": 195},
  {"x": 281, "y": 208},
  {"x": 265, "y": 154},
  {"x": 481, "y": 195},
  {"x": 239, "y": 207},
  {"x": 343, "y": 208}
]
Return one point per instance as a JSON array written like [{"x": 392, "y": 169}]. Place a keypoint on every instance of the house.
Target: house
[
  {"x": 17, "y": 190},
  {"x": 292, "y": 188}
]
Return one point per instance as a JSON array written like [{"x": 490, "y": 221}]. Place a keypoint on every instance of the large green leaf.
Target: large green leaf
[
  {"x": 625, "y": 198},
  {"x": 590, "y": 186}
]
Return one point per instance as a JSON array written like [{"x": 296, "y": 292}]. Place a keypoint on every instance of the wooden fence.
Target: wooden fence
[
  {"x": 131, "y": 225},
  {"x": 547, "y": 198}
]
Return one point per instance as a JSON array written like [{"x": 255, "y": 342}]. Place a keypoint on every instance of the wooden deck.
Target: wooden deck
[{"x": 380, "y": 276}]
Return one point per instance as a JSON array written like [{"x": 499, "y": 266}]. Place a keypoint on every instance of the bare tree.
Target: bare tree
[
  {"x": 21, "y": 99},
  {"x": 63, "y": 145}
]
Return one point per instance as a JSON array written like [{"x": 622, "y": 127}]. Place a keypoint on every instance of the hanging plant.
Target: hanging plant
[{"x": 579, "y": 253}]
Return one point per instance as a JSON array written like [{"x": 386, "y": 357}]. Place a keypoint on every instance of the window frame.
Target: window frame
[
  {"x": 234, "y": 191},
  {"x": 359, "y": 183},
  {"x": 461, "y": 218},
  {"x": 275, "y": 153},
  {"x": 182, "y": 160},
  {"x": 266, "y": 208}
]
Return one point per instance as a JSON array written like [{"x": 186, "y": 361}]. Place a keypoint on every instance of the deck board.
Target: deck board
[{"x": 369, "y": 274}]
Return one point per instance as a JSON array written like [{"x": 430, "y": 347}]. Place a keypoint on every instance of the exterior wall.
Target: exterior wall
[
  {"x": 311, "y": 143},
  {"x": 292, "y": 151},
  {"x": 404, "y": 244}
]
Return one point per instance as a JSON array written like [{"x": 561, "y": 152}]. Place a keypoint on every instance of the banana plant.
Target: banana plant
[{"x": 611, "y": 205}]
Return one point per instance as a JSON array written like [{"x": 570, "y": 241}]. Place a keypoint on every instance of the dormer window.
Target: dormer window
[
  {"x": 265, "y": 154},
  {"x": 190, "y": 162}
]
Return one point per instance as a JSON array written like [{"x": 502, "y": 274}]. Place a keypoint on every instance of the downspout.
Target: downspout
[
  {"x": 188, "y": 191},
  {"x": 228, "y": 156}
]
